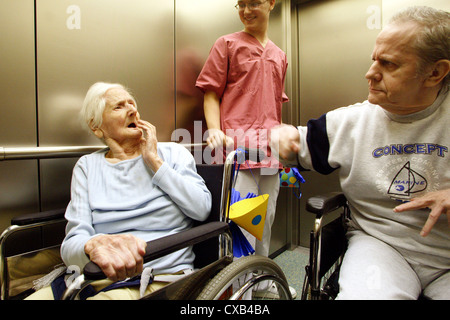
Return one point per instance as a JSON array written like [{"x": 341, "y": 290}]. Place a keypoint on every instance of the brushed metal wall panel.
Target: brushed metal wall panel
[
  {"x": 84, "y": 41},
  {"x": 18, "y": 107},
  {"x": 335, "y": 45},
  {"x": 335, "y": 48},
  {"x": 198, "y": 24},
  {"x": 390, "y": 7},
  {"x": 19, "y": 192}
]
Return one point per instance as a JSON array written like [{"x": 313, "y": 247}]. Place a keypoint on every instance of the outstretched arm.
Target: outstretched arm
[{"x": 285, "y": 142}]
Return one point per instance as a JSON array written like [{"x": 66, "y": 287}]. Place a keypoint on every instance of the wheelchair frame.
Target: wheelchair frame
[
  {"x": 322, "y": 273},
  {"x": 325, "y": 264},
  {"x": 32, "y": 228},
  {"x": 218, "y": 230}
]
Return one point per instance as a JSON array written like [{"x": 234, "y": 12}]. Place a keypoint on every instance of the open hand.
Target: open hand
[{"x": 437, "y": 201}]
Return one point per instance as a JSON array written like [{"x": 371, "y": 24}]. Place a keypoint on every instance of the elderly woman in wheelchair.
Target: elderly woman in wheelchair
[
  {"x": 134, "y": 191},
  {"x": 137, "y": 206}
]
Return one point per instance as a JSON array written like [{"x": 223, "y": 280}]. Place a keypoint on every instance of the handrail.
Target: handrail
[
  {"x": 23, "y": 153},
  {"x": 46, "y": 152}
]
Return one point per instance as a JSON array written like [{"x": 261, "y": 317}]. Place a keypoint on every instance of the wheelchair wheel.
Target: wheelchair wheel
[{"x": 244, "y": 278}]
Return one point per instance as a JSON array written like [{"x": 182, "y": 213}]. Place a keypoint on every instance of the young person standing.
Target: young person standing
[{"x": 243, "y": 85}]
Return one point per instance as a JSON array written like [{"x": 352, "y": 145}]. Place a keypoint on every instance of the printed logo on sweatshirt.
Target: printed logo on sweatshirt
[
  {"x": 407, "y": 181},
  {"x": 402, "y": 177},
  {"x": 413, "y": 148}
]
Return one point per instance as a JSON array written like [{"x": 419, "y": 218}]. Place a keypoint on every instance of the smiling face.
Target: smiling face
[
  {"x": 255, "y": 15},
  {"x": 394, "y": 82},
  {"x": 120, "y": 117}
]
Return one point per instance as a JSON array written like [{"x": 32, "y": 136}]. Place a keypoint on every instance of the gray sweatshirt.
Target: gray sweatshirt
[{"x": 384, "y": 159}]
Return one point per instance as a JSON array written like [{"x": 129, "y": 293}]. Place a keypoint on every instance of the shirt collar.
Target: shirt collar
[{"x": 421, "y": 114}]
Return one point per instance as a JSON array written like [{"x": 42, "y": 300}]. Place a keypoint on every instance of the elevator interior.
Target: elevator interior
[{"x": 53, "y": 50}]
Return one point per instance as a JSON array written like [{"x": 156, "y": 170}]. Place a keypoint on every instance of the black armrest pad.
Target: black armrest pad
[
  {"x": 42, "y": 216},
  {"x": 323, "y": 204},
  {"x": 162, "y": 246}
]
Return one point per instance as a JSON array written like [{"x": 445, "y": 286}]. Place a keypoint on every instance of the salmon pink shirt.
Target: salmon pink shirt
[{"x": 249, "y": 82}]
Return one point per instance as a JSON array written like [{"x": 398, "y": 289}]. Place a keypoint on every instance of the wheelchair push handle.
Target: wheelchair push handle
[{"x": 253, "y": 154}]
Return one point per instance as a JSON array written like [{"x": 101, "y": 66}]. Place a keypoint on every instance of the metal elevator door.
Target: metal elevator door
[{"x": 335, "y": 39}]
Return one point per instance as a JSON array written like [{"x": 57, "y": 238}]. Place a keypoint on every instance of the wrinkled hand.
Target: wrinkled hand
[
  {"x": 437, "y": 201},
  {"x": 217, "y": 138},
  {"x": 119, "y": 256},
  {"x": 149, "y": 145},
  {"x": 285, "y": 142}
]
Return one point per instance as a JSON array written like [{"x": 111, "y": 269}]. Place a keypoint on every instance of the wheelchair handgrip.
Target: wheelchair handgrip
[
  {"x": 253, "y": 154},
  {"x": 323, "y": 204},
  {"x": 165, "y": 245}
]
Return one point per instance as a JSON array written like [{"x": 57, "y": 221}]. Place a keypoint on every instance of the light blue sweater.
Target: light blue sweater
[{"x": 127, "y": 197}]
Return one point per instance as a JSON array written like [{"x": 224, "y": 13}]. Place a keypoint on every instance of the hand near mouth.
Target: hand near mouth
[{"x": 149, "y": 145}]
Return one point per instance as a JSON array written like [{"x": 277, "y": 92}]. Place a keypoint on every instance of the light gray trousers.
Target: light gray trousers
[{"x": 374, "y": 270}]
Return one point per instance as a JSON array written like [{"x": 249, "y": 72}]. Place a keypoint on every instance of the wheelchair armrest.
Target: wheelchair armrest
[
  {"x": 162, "y": 246},
  {"x": 42, "y": 216},
  {"x": 325, "y": 203}
]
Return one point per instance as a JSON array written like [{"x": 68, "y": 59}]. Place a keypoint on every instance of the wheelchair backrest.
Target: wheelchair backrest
[
  {"x": 208, "y": 251},
  {"x": 213, "y": 176}
]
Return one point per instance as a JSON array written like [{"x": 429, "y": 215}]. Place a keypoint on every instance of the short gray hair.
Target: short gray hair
[
  {"x": 94, "y": 104},
  {"x": 433, "y": 40}
]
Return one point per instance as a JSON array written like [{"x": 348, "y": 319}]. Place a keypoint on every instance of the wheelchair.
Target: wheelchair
[
  {"x": 216, "y": 276},
  {"x": 327, "y": 247},
  {"x": 328, "y": 244}
]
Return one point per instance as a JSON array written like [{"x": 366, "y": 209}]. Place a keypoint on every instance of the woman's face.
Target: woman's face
[{"x": 120, "y": 117}]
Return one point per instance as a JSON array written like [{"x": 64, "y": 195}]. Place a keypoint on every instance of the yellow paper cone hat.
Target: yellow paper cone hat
[{"x": 250, "y": 214}]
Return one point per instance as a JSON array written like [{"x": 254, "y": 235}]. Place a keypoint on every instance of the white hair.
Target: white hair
[
  {"x": 433, "y": 39},
  {"x": 94, "y": 104}
]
